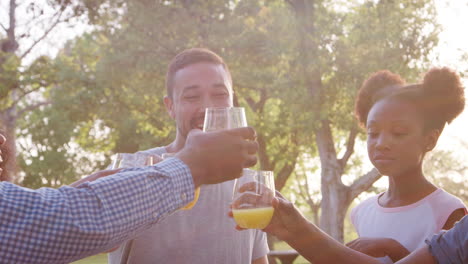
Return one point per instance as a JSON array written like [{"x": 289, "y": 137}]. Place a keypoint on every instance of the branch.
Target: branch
[
  {"x": 310, "y": 201},
  {"x": 304, "y": 193},
  {"x": 263, "y": 99},
  {"x": 325, "y": 144},
  {"x": 260, "y": 104},
  {"x": 24, "y": 93},
  {"x": 4, "y": 28},
  {"x": 288, "y": 168},
  {"x": 11, "y": 29},
  {"x": 32, "y": 107},
  {"x": 263, "y": 156},
  {"x": 44, "y": 35},
  {"x": 291, "y": 3},
  {"x": 314, "y": 206},
  {"x": 363, "y": 183},
  {"x": 349, "y": 145},
  {"x": 251, "y": 103},
  {"x": 284, "y": 174}
]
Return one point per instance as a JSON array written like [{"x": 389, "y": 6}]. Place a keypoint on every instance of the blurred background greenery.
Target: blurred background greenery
[{"x": 296, "y": 66}]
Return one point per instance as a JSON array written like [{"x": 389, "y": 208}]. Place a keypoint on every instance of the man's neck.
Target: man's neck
[{"x": 176, "y": 145}]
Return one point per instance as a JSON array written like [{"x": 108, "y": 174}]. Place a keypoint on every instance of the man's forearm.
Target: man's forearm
[{"x": 65, "y": 224}]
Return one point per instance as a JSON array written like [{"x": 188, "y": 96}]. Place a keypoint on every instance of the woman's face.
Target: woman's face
[{"x": 396, "y": 142}]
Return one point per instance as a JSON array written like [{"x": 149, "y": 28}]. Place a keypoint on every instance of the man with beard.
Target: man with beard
[{"x": 196, "y": 79}]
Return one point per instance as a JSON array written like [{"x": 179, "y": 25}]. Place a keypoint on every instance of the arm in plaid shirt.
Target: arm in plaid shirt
[{"x": 62, "y": 225}]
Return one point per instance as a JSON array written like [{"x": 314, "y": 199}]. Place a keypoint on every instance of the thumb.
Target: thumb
[{"x": 285, "y": 208}]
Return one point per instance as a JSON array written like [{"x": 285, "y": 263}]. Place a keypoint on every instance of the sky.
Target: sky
[{"x": 453, "y": 17}]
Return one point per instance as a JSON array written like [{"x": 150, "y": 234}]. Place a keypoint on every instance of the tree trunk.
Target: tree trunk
[
  {"x": 8, "y": 127},
  {"x": 334, "y": 206},
  {"x": 335, "y": 198}
]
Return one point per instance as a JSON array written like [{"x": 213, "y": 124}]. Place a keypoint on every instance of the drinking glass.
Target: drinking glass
[
  {"x": 218, "y": 118},
  {"x": 252, "y": 199},
  {"x": 129, "y": 160}
]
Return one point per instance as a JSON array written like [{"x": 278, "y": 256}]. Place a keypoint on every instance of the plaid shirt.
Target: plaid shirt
[{"x": 65, "y": 224}]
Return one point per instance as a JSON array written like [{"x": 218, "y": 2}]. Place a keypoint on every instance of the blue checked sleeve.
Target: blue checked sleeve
[{"x": 62, "y": 225}]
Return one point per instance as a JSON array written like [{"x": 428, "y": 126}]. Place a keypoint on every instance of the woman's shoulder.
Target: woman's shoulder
[
  {"x": 442, "y": 198},
  {"x": 366, "y": 204}
]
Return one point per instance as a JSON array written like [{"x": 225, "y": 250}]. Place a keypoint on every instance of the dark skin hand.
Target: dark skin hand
[{"x": 380, "y": 247}]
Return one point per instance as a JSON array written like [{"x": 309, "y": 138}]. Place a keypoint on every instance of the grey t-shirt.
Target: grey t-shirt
[
  {"x": 202, "y": 235},
  {"x": 451, "y": 247}
]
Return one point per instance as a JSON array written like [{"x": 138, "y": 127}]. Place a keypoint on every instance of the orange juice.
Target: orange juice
[
  {"x": 195, "y": 199},
  {"x": 254, "y": 218}
]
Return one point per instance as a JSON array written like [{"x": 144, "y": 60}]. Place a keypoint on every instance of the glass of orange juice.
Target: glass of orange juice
[
  {"x": 252, "y": 197},
  {"x": 197, "y": 190}
]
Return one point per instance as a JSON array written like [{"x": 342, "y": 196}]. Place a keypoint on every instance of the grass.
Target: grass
[
  {"x": 281, "y": 245},
  {"x": 97, "y": 259},
  {"x": 102, "y": 258}
]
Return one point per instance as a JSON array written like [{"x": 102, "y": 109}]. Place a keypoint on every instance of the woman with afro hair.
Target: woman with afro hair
[{"x": 403, "y": 123}]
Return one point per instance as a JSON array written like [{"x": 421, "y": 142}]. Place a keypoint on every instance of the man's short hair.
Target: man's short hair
[{"x": 189, "y": 57}]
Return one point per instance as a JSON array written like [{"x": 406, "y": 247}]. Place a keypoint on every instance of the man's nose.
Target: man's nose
[{"x": 207, "y": 102}]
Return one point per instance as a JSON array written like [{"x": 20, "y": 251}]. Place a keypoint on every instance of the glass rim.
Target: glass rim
[
  {"x": 225, "y": 108},
  {"x": 260, "y": 172}
]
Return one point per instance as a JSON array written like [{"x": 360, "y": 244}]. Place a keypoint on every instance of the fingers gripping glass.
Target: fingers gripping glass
[{"x": 252, "y": 199}]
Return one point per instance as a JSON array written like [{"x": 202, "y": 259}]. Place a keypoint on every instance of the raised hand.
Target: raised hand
[
  {"x": 287, "y": 222},
  {"x": 218, "y": 156}
]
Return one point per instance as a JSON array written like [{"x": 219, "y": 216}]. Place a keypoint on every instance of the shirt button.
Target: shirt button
[{"x": 183, "y": 196}]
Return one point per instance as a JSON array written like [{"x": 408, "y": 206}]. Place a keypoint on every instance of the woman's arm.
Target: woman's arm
[{"x": 454, "y": 217}]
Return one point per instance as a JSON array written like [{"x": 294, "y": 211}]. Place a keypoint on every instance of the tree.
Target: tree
[
  {"x": 20, "y": 86},
  {"x": 129, "y": 75},
  {"x": 448, "y": 171}
]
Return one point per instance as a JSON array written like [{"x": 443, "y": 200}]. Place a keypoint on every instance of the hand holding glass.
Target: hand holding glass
[
  {"x": 217, "y": 118},
  {"x": 252, "y": 199}
]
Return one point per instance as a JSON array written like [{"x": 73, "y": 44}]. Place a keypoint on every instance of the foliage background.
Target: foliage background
[{"x": 296, "y": 66}]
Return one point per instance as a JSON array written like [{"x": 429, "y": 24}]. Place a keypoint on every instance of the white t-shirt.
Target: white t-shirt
[
  {"x": 203, "y": 235},
  {"x": 410, "y": 225}
]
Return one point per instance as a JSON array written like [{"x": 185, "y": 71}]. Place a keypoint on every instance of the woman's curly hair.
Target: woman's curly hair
[{"x": 440, "y": 97}]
